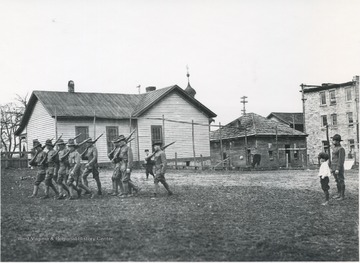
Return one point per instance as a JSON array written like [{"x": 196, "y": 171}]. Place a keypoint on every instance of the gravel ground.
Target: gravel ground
[{"x": 213, "y": 216}]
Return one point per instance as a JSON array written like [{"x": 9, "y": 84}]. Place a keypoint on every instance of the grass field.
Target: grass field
[{"x": 212, "y": 216}]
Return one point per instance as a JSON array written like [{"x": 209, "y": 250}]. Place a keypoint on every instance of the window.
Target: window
[
  {"x": 324, "y": 120},
  {"x": 111, "y": 133},
  {"x": 348, "y": 94},
  {"x": 332, "y": 97},
  {"x": 351, "y": 148},
  {"x": 271, "y": 155},
  {"x": 333, "y": 119},
  {"x": 84, "y": 130},
  {"x": 322, "y": 98},
  {"x": 350, "y": 118},
  {"x": 156, "y": 134}
]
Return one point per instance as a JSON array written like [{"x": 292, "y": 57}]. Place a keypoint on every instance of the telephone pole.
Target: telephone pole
[{"x": 244, "y": 101}]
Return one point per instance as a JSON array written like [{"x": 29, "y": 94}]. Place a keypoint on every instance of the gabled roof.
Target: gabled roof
[
  {"x": 288, "y": 117},
  {"x": 103, "y": 105},
  {"x": 255, "y": 125}
]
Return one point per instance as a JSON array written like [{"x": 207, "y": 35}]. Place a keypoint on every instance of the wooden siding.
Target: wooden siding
[
  {"x": 41, "y": 126},
  {"x": 67, "y": 128},
  {"x": 174, "y": 107}
]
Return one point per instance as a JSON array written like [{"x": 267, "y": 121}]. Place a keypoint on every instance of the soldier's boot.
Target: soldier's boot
[
  {"x": 167, "y": 188},
  {"x": 72, "y": 194},
  {"x": 126, "y": 190},
  {"x": 35, "y": 191},
  {"x": 98, "y": 183},
  {"x": 64, "y": 186},
  {"x": 156, "y": 189},
  {"x": 85, "y": 181},
  {"x": 115, "y": 188},
  {"x": 46, "y": 196},
  {"x": 121, "y": 187},
  {"x": 57, "y": 193}
]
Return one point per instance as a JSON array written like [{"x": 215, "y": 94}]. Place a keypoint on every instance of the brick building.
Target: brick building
[
  {"x": 334, "y": 107},
  {"x": 277, "y": 144}
]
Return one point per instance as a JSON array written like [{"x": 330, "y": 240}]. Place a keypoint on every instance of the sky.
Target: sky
[{"x": 262, "y": 49}]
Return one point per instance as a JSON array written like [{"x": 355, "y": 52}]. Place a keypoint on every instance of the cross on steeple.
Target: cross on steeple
[{"x": 243, "y": 102}]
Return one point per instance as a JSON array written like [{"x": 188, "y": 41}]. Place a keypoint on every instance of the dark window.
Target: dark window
[
  {"x": 322, "y": 98},
  {"x": 325, "y": 146},
  {"x": 350, "y": 118},
  {"x": 332, "y": 97},
  {"x": 348, "y": 94},
  {"x": 324, "y": 120},
  {"x": 352, "y": 148},
  {"x": 111, "y": 133},
  {"x": 334, "y": 119},
  {"x": 84, "y": 130},
  {"x": 271, "y": 157},
  {"x": 156, "y": 134}
]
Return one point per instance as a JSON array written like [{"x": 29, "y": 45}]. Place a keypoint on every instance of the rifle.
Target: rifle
[
  {"x": 130, "y": 140},
  {"x": 162, "y": 148},
  {"x": 127, "y": 138},
  {"x": 83, "y": 153}
]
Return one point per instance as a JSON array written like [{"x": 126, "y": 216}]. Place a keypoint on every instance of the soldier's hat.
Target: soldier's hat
[
  {"x": 36, "y": 143},
  {"x": 60, "y": 141},
  {"x": 337, "y": 137},
  {"x": 71, "y": 142},
  {"x": 119, "y": 138},
  {"x": 157, "y": 143},
  {"x": 323, "y": 155},
  {"x": 49, "y": 142}
]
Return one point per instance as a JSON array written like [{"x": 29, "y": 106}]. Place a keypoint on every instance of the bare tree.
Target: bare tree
[{"x": 11, "y": 115}]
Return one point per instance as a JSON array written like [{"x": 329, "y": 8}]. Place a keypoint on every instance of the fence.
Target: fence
[{"x": 19, "y": 160}]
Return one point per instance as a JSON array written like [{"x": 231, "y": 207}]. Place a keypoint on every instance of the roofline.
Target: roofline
[
  {"x": 329, "y": 86},
  {"x": 192, "y": 100},
  {"x": 262, "y": 135},
  {"x": 277, "y": 116}
]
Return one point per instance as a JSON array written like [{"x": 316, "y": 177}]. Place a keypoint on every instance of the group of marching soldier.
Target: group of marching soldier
[{"x": 63, "y": 166}]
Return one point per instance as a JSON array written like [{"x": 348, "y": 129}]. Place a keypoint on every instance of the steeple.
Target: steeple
[{"x": 189, "y": 90}]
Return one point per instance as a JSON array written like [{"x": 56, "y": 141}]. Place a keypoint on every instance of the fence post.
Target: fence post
[
  {"x": 193, "y": 141},
  {"x": 287, "y": 160},
  {"x": 202, "y": 162},
  {"x": 176, "y": 161}
]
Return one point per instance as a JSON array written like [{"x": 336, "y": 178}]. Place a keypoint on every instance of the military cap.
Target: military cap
[
  {"x": 157, "y": 143},
  {"x": 119, "y": 138},
  {"x": 48, "y": 142},
  {"x": 324, "y": 156},
  {"x": 71, "y": 142},
  {"x": 36, "y": 143},
  {"x": 337, "y": 137},
  {"x": 60, "y": 141}
]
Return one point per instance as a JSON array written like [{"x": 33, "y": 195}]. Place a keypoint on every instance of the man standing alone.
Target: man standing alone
[{"x": 337, "y": 166}]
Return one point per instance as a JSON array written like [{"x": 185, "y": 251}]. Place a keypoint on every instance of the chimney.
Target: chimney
[
  {"x": 71, "y": 86},
  {"x": 150, "y": 88}
]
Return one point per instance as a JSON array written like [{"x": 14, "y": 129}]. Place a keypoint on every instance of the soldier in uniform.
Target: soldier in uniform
[
  {"x": 337, "y": 166},
  {"x": 63, "y": 161},
  {"x": 160, "y": 168},
  {"x": 38, "y": 160},
  {"x": 51, "y": 154},
  {"x": 74, "y": 181},
  {"x": 92, "y": 165},
  {"x": 116, "y": 177}
]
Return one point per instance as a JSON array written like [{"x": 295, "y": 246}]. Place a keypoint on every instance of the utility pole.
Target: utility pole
[
  {"x": 243, "y": 101},
  {"x": 304, "y": 126}
]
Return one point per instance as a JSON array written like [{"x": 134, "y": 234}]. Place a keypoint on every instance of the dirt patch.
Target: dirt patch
[{"x": 213, "y": 216}]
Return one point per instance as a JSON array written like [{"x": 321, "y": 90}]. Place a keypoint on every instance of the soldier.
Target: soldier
[
  {"x": 38, "y": 160},
  {"x": 125, "y": 157},
  {"x": 337, "y": 166},
  {"x": 51, "y": 154},
  {"x": 75, "y": 171},
  {"x": 160, "y": 168},
  {"x": 116, "y": 177},
  {"x": 62, "y": 157},
  {"x": 149, "y": 164},
  {"x": 92, "y": 165}
]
